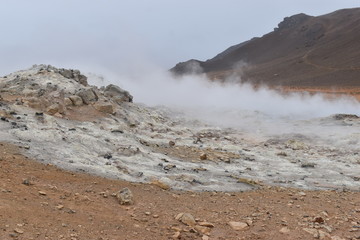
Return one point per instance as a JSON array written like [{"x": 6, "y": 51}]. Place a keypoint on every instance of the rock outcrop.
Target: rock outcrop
[{"x": 58, "y": 90}]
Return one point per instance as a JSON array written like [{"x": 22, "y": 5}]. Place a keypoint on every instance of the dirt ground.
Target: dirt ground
[{"x": 43, "y": 202}]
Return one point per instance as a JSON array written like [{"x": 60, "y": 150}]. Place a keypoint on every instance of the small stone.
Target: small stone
[
  {"x": 337, "y": 238},
  {"x": 202, "y": 229},
  {"x": 312, "y": 231},
  {"x": 186, "y": 218},
  {"x": 18, "y": 230},
  {"x": 318, "y": 220},
  {"x": 284, "y": 230},
  {"x": 59, "y": 207},
  {"x": 160, "y": 184},
  {"x": 323, "y": 235},
  {"x": 26, "y": 182},
  {"x": 238, "y": 226},
  {"x": 176, "y": 235},
  {"x": 206, "y": 224},
  {"x": 308, "y": 165},
  {"x": 171, "y": 143},
  {"x": 125, "y": 196},
  {"x": 203, "y": 156},
  {"x": 42, "y": 193},
  {"x": 302, "y": 194}
]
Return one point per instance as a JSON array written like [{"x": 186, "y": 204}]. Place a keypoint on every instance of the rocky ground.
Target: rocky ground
[
  {"x": 55, "y": 117},
  {"x": 41, "y": 201}
]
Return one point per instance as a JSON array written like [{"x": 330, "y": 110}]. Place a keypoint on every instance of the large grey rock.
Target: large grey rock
[
  {"x": 87, "y": 95},
  {"x": 73, "y": 74},
  {"x": 117, "y": 94}
]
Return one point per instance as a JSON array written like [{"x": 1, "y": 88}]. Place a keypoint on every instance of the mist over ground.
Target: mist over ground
[{"x": 230, "y": 104}]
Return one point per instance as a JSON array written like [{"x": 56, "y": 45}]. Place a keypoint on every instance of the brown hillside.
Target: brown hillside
[{"x": 303, "y": 52}]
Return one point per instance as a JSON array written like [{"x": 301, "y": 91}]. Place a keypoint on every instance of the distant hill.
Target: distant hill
[{"x": 303, "y": 51}]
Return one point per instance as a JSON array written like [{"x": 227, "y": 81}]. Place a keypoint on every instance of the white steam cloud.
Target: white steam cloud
[{"x": 231, "y": 104}]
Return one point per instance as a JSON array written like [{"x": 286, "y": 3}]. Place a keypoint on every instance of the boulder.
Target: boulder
[
  {"x": 76, "y": 100},
  {"x": 117, "y": 94},
  {"x": 87, "y": 95}
]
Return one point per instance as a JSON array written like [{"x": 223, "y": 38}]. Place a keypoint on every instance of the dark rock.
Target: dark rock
[{"x": 117, "y": 94}]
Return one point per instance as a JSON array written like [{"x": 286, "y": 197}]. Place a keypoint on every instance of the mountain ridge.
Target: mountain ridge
[{"x": 302, "y": 51}]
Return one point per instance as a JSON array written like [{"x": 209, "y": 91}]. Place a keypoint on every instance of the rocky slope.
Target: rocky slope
[
  {"x": 303, "y": 51},
  {"x": 57, "y": 118}
]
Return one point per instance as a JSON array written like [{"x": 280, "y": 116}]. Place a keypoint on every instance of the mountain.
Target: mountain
[{"x": 302, "y": 51}]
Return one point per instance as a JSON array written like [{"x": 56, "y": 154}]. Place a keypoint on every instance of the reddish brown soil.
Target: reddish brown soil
[{"x": 55, "y": 204}]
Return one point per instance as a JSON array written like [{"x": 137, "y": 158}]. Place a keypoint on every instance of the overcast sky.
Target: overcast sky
[{"x": 122, "y": 35}]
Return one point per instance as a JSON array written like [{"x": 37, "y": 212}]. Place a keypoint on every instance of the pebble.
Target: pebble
[
  {"x": 18, "y": 230},
  {"x": 284, "y": 230},
  {"x": 125, "y": 197},
  {"x": 186, "y": 218},
  {"x": 203, "y": 156},
  {"x": 238, "y": 226}
]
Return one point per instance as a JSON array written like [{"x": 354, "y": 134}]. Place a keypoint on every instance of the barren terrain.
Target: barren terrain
[
  {"x": 43, "y": 202},
  {"x": 68, "y": 148}
]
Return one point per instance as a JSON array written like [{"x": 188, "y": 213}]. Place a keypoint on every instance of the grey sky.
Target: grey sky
[{"x": 122, "y": 35}]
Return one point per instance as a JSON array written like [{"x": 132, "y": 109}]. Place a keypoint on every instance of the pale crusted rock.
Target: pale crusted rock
[
  {"x": 186, "y": 218},
  {"x": 125, "y": 197},
  {"x": 296, "y": 145},
  {"x": 238, "y": 226}
]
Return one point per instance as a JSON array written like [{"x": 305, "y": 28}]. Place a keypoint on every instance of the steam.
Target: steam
[
  {"x": 196, "y": 92},
  {"x": 232, "y": 104}
]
